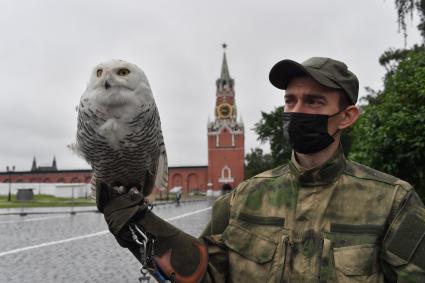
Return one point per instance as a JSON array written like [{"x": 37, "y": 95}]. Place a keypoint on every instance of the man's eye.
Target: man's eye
[{"x": 314, "y": 102}]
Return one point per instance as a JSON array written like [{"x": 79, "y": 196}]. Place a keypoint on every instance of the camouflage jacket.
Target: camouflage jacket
[{"x": 342, "y": 222}]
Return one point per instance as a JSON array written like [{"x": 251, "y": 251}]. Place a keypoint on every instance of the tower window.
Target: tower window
[{"x": 225, "y": 172}]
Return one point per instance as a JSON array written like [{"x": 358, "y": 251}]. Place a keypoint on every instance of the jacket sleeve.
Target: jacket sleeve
[
  {"x": 403, "y": 249},
  {"x": 218, "y": 264}
]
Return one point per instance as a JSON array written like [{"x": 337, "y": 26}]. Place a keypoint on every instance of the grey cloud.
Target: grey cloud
[{"x": 49, "y": 48}]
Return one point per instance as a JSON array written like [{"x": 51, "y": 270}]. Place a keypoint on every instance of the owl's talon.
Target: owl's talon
[
  {"x": 119, "y": 189},
  {"x": 133, "y": 193}
]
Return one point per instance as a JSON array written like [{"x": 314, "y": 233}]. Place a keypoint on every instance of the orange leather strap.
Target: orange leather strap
[{"x": 164, "y": 263}]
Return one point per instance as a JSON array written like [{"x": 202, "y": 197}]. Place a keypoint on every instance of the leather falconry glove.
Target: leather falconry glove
[{"x": 177, "y": 255}]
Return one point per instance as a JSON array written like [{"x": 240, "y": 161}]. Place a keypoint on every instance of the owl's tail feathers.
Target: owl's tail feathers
[
  {"x": 161, "y": 179},
  {"x": 92, "y": 193},
  {"x": 75, "y": 148}
]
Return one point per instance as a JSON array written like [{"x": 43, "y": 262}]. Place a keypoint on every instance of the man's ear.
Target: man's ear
[{"x": 351, "y": 114}]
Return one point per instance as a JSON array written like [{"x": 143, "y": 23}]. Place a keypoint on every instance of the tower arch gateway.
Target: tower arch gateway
[{"x": 226, "y": 136}]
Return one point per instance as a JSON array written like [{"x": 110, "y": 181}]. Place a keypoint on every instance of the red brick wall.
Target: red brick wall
[
  {"x": 77, "y": 176},
  {"x": 189, "y": 178}
]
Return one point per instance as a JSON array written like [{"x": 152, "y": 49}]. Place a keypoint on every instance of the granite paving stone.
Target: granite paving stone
[{"x": 93, "y": 259}]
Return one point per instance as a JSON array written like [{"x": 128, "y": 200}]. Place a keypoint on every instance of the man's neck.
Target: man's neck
[{"x": 309, "y": 161}]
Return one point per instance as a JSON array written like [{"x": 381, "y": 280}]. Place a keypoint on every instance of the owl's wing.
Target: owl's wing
[
  {"x": 157, "y": 175},
  {"x": 161, "y": 178},
  {"x": 75, "y": 147}
]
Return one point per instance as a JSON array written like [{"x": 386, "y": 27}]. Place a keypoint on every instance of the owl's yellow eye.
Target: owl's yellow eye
[
  {"x": 99, "y": 72},
  {"x": 123, "y": 72}
]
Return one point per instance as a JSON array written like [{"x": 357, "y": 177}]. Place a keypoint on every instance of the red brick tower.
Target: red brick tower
[{"x": 225, "y": 136}]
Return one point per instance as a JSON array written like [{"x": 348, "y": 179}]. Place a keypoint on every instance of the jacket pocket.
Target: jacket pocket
[
  {"x": 357, "y": 263},
  {"x": 250, "y": 255}
]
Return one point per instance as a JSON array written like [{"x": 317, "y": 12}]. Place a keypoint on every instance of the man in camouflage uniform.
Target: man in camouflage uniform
[{"x": 319, "y": 218}]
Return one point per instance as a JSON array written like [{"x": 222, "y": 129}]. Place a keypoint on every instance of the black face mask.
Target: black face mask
[{"x": 307, "y": 133}]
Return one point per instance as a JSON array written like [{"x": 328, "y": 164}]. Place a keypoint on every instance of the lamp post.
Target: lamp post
[{"x": 10, "y": 171}]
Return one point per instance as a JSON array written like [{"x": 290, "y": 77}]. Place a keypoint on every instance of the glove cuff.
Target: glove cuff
[
  {"x": 118, "y": 219},
  {"x": 122, "y": 202}
]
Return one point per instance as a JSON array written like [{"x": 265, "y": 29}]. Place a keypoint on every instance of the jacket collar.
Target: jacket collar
[{"x": 325, "y": 174}]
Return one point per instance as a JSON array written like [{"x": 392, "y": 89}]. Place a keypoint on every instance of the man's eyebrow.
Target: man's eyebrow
[
  {"x": 315, "y": 96},
  {"x": 308, "y": 96}
]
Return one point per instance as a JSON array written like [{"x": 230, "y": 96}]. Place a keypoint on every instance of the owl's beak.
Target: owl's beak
[{"x": 107, "y": 85}]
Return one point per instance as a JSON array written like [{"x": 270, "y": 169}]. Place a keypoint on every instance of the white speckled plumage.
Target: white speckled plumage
[{"x": 119, "y": 129}]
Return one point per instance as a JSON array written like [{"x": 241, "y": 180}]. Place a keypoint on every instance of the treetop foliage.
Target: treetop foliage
[
  {"x": 406, "y": 8},
  {"x": 270, "y": 129},
  {"x": 257, "y": 162},
  {"x": 390, "y": 134}
]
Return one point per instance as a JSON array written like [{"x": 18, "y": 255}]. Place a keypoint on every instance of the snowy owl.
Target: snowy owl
[{"x": 119, "y": 130}]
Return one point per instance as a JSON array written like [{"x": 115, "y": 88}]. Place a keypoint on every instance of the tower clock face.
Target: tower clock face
[{"x": 224, "y": 110}]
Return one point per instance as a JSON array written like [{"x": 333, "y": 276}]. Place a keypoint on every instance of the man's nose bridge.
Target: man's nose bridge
[{"x": 298, "y": 106}]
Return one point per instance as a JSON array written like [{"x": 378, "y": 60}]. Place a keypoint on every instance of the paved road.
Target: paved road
[{"x": 78, "y": 248}]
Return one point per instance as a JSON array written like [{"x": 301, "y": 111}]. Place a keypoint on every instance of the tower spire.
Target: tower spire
[
  {"x": 34, "y": 164},
  {"x": 225, "y": 75},
  {"x": 54, "y": 166},
  {"x": 225, "y": 79}
]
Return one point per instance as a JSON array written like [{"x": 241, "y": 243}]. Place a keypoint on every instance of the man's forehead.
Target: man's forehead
[
  {"x": 307, "y": 86},
  {"x": 312, "y": 94},
  {"x": 309, "y": 95},
  {"x": 305, "y": 82}
]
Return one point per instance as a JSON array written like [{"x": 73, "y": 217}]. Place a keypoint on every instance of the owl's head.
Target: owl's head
[{"x": 117, "y": 83}]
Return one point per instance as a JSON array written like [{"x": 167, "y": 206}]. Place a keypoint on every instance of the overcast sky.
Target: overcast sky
[{"x": 48, "y": 49}]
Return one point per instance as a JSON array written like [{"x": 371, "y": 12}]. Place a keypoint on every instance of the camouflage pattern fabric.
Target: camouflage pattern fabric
[{"x": 342, "y": 222}]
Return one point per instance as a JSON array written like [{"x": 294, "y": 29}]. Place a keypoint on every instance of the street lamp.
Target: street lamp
[{"x": 10, "y": 171}]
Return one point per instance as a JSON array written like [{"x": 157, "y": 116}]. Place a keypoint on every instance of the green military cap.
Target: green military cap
[{"x": 326, "y": 71}]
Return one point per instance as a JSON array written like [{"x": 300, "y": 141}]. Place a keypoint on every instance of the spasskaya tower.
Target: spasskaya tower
[{"x": 225, "y": 136}]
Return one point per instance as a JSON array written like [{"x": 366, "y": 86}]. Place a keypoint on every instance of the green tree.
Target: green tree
[
  {"x": 270, "y": 129},
  {"x": 257, "y": 162},
  {"x": 391, "y": 57},
  {"x": 390, "y": 134}
]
